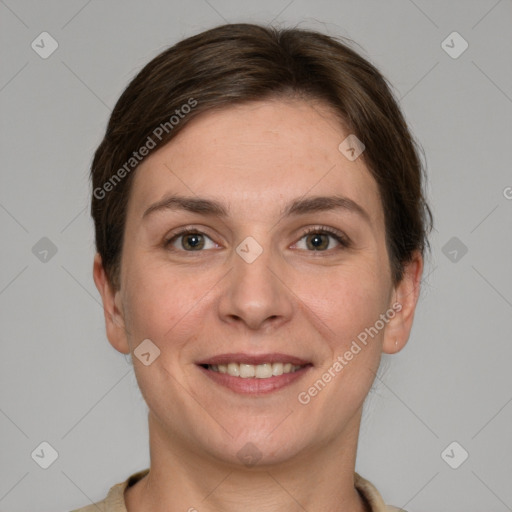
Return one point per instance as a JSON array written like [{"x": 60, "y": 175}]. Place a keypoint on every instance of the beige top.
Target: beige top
[{"x": 114, "y": 502}]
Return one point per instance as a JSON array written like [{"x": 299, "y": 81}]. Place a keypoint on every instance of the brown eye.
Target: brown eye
[
  {"x": 192, "y": 241},
  {"x": 318, "y": 239}
]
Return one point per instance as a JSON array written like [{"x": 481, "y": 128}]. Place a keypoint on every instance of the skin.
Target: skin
[{"x": 194, "y": 304}]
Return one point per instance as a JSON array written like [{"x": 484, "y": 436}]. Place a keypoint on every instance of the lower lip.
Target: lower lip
[{"x": 254, "y": 386}]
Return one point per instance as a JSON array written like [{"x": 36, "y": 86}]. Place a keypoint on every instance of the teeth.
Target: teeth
[
  {"x": 232, "y": 369},
  {"x": 277, "y": 369},
  {"x": 264, "y": 371},
  {"x": 247, "y": 370},
  {"x": 260, "y": 371}
]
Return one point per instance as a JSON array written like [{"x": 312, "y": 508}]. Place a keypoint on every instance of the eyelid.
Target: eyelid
[
  {"x": 177, "y": 233},
  {"x": 340, "y": 236}
]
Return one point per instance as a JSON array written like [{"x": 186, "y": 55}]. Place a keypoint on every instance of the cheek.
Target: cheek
[
  {"x": 346, "y": 300},
  {"x": 349, "y": 307},
  {"x": 165, "y": 301},
  {"x": 162, "y": 303}
]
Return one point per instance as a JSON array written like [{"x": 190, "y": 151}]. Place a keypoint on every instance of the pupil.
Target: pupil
[
  {"x": 317, "y": 240},
  {"x": 195, "y": 243}
]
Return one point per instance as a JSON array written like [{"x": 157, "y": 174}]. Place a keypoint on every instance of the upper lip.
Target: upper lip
[{"x": 253, "y": 359}]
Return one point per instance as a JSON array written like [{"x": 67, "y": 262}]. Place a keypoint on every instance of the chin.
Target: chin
[{"x": 257, "y": 447}]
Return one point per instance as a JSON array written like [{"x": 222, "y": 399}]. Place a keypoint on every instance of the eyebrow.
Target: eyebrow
[{"x": 300, "y": 206}]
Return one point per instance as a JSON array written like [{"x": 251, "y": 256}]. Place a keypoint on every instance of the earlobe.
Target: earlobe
[
  {"x": 405, "y": 299},
  {"x": 114, "y": 316}
]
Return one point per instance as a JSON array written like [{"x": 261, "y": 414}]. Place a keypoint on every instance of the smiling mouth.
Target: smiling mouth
[
  {"x": 254, "y": 374},
  {"x": 250, "y": 371}
]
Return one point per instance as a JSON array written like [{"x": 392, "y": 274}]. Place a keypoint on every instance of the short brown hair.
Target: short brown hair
[{"x": 237, "y": 63}]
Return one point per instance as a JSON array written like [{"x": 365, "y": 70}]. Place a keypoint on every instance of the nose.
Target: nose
[{"x": 255, "y": 292}]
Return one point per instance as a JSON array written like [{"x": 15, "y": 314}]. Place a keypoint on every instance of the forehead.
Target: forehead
[{"x": 258, "y": 155}]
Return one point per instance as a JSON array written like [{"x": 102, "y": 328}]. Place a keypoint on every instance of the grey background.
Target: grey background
[{"x": 60, "y": 380}]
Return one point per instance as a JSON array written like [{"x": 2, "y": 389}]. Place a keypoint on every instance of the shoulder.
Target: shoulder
[
  {"x": 372, "y": 496},
  {"x": 114, "y": 501}
]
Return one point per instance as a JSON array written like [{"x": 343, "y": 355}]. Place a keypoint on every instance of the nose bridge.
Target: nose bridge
[
  {"x": 255, "y": 292},
  {"x": 253, "y": 261}
]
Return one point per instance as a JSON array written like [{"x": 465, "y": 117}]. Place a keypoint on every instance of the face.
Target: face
[{"x": 267, "y": 273}]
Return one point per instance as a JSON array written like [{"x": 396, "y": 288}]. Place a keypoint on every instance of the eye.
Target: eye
[
  {"x": 193, "y": 240},
  {"x": 317, "y": 238}
]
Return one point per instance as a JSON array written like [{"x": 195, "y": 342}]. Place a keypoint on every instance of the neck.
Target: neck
[{"x": 182, "y": 478}]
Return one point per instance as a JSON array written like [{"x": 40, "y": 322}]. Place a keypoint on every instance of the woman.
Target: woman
[{"x": 260, "y": 227}]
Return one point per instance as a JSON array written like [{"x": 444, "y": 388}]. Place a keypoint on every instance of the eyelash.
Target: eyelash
[
  {"x": 340, "y": 237},
  {"x": 325, "y": 230}
]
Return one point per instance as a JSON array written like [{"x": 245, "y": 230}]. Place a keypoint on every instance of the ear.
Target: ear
[
  {"x": 404, "y": 299},
  {"x": 112, "y": 308}
]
